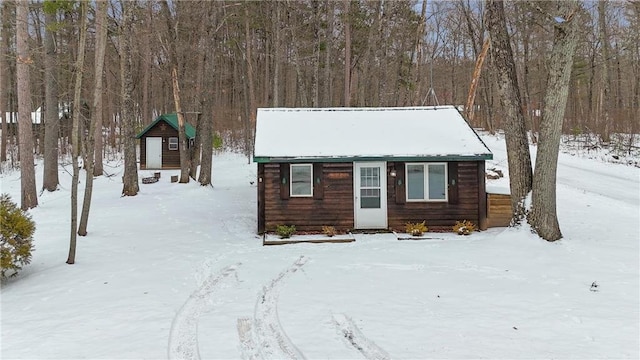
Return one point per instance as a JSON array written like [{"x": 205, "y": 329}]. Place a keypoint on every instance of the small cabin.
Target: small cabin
[
  {"x": 368, "y": 168},
  {"x": 159, "y": 144}
]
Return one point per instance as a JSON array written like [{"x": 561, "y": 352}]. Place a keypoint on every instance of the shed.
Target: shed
[
  {"x": 159, "y": 144},
  {"x": 368, "y": 168}
]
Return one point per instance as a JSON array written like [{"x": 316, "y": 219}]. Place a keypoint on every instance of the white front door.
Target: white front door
[
  {"x": 370, "y": 195},
  {"x": 154, "y": 152}
]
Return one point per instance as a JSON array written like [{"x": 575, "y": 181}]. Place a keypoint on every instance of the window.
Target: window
[
  {"x": 370, "y": 188},
  {"x": 427, "y": 182},
  {"x": 301, "y": 180},
  {"x": 173, "y": 143}
]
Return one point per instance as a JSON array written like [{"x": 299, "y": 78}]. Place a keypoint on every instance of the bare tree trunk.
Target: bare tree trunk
[
  {"x": 327, "y": 96},
  {"x": 195, "y": 150},
  {"x": 98, "y": 148},
  {"x": 51, "y": 116},
  {"x": 347, "y": 54},
  {"x": 301, "y": 93},
  {"x": 518, "y": 155},
  {"x": 315, "y": 75},
  {"x": 420, "y": 35},
  {"x": 204, "y": 177},
  {"x": 127, "y": 112},
  {"x": 605, "y": 90},
  {"x": 276, "y": 56},
  {"x": 147, "y": 117},
  {"x": 543, "y": 217},
  {"x": 29, "y": 197},
  {"x": 366, "y": 85},
  {"x": 98, "y": 112},
  {"x": 206, "y": 135},
  {"x": 252, "y": 96},
  {"x": 96, "y": 115},
  {"x": 75, "y": 138},
  {"x": 3, "y": 82},
  {"x": 182, "y": 136}
]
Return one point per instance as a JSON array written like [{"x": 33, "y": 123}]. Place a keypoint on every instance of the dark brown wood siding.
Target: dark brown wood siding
[
  {"x": 438, "y": 215},
  {"x": 332, "y": 205},
  {"x": 170, "y": 158},
  {"x": 261, "y": 215}
]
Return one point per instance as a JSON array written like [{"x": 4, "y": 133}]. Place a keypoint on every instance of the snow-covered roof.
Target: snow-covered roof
[{"x": 404, "y": 133}]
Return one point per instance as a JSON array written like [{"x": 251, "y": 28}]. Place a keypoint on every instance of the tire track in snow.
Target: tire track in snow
[
  {"x": 247, "y": 346},
  {"x": 269, "y": 338},
  {"x": 354, "y": 337},
  {"x": 183, "y": 338}
]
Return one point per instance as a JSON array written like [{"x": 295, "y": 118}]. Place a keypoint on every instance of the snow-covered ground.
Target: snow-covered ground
[{"x": 178, "y": 272}]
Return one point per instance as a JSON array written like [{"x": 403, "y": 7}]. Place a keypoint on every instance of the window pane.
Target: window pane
[
  {"x": 415, "y": 182},
  {"x": 437, "y": 182},
  {"x": 375, "y": 176},
  {"x": 300, "y": 180},
  {"x": 369, "y": 177},
  {"x": 173, "y": 143},
  {"x": 370, "y": 198}
]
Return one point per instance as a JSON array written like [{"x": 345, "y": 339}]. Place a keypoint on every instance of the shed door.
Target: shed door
[
  {"x": 370, "y": 195},
  {"x": 154, "y": 152}
]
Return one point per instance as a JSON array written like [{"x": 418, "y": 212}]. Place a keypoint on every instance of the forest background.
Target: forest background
[{"x": 232, "y": 57}]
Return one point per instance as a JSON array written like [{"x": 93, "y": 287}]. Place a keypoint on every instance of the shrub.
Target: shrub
[
  {"x": 330, "y": 231},
  {"x": 416, "y": 229},
  {"x": 16, "y": 242},
  {"x": 217, "y": 142},
  {"x": 285, "y": 231},
  {"x": 464, "y": 227}
]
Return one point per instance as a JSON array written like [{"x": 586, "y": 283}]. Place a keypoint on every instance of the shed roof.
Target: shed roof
[
  {"x": 171, "y": 119},
  {"x": 431, "y": 133}
]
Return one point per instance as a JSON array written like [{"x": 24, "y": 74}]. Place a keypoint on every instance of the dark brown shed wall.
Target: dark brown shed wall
[{"x": 170, "y": 158}]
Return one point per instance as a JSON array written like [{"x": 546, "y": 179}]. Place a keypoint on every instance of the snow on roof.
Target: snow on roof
[{"x": 406, "y": 132}]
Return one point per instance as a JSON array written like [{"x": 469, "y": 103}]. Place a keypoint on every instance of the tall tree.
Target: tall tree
[
  {"x": 98, "y": 103},
  {"x": 604, "y": 103},
  {"x": 328, "y": 38},
  {"x": 419, "y": 51},
  {"x": 127, "y": 113},
  {"x": 518, "y": 157},
  {"x": 29, "y": 197},
  {"x": 3, "y": 83},
  {"x": 277, "y": 45},
  {"x": 543, "y": 217},
  {"x": 96, "y": 114},
  {"x": 205, "y": 133},
  {"x": 347, "y": 53},
  {"x": 75, "y": 130},
  {"x": 176, "y": 60},
  {"x": 51, "y": 113},
  {"x": 182, "y": 136}
]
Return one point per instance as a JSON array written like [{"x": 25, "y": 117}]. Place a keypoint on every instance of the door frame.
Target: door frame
[
  {"x": 147, "y": 147},
  {"x": 359, "y": 214}
]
